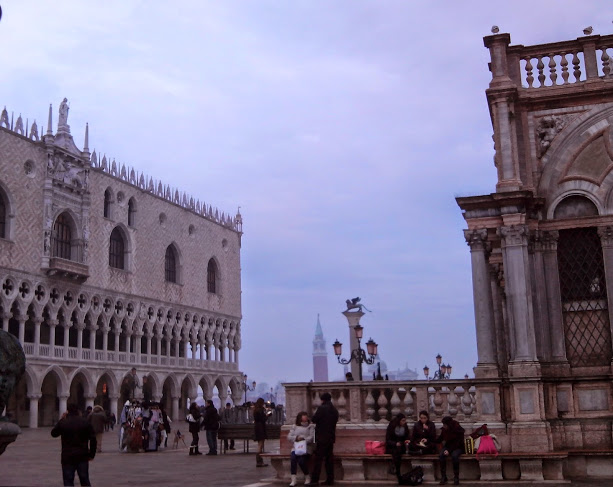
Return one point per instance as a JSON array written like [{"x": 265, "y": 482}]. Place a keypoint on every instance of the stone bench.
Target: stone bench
[
  {"x": 527, "y": 467},
  {"x": 245, "y": 432}
]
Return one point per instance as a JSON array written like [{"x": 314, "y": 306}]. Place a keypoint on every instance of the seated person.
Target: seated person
[
  {"x": 396, "y": 437},
  {"x": 452, "y": 439},
  {"x": 423, "y": 438}
]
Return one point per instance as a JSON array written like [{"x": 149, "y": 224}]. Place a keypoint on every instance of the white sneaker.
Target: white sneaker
[
  {"x": 293, "y": 482},
  {"x": 307, "y": 480}
]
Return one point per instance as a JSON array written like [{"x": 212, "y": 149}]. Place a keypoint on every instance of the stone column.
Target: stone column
[
  {"x": 482, "y": 298},
  {"x": 549, "y": 242},
  {"x": 63, "y": 403},
  {"x": 159, "y": 345},
  {"x": 175, "y": 408},
  {"x": 149, "y": 338},
  {"x": 22, "y": 328},
  {"x": 177, "y": 346},
  {"x": 79, "y": 342},
  {"x": 105, "y": 339},
  {"x": 5, "y": 321},
  {"x": 606, "y": 239},
  {"x": 236, "y": 356},
  {"x": 113, "y": 399},
  {"x": 128, "y": 342},
  {"x": 89, "y": 401},
  {"x": 353, "y": 319},
  {"x": 66, "y": 339},
  {"x": 201, "y": 350},
  {"x": 541, "y": 312},
  {"x": 519, "y": 293},
  {"x": 34, "y": 398},
  {"x": 52, "y": 325},
  {"x": 92, "y": 342},
  {"x": 168, "y": 342},
  {"x": 117, "y": 333},
  {"x": 37, "y": 323}
]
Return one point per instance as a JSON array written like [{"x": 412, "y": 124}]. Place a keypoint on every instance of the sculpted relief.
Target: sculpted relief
[{"x": 67, "y": 172}]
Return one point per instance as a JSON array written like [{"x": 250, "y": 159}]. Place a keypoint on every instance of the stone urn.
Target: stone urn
[{"x": 12, "y": 367}]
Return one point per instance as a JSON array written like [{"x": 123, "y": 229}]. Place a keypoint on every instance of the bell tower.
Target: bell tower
[{"x": 320, "y": 355}]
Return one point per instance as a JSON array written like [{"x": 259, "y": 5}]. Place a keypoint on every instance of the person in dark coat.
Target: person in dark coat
[
  {"x": 325, "y": 419},
  {"x": 98, "y": 420},
  {"x": 260, "y": 417},
  {"x": 452, "y": 439},
  {"x": 423, "y": 439},
  {"x": 396, "y": 438},
  {"x": 78, "y": 445},
  {"x": 211, "y": 425},
  {"x": 193, "y": 418}
]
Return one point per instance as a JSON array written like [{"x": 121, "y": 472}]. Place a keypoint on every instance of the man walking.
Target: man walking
[
  {"x": 98, "y": 421},
  {"x": 211, "y": 425},
  {"x": 78, "y": 445},
  {"x": 325, "y": 419},
  {"x": 227, "y": 418}
]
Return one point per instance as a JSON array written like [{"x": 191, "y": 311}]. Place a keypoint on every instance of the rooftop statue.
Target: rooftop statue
[
  {"x": 63, "y": 120},
  {"x": 355, "y": 304}
]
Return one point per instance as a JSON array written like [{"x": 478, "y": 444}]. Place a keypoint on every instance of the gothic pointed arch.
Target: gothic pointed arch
[
  {"x": 6, "y": 213},
  {"x": 172, "y": 264},
  {"x": 119, "y": 248},
  {"x": 108, "y": 201},
  {"x": 64, "y": 237},
  {"x": 88, "y": 381},
  {"x": 213, "y": 277},
  {"x": 132, "y": 208}
]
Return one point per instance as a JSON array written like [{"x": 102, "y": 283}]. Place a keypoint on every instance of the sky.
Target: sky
[{"x": 344, "y": 129}]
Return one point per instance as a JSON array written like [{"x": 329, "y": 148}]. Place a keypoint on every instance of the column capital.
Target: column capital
[
  {"x": 606, "y": 236},
  {"x": 477, "y": 239},
  {"x": 514, "y": 235},
  {"x": 34, "y": 396}
]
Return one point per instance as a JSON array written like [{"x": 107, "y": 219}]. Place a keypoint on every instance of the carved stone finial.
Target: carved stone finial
[
  {"x": 4, "y": 119},
  {"x": 86, "y": 142},
  {"x": 19, "y": 125},
  {"x": 34, "y": 132},
  {"x": 50, "y": 120}
]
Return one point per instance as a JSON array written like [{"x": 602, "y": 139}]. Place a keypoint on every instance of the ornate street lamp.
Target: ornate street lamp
[
  {"x": 443, "y": 372},
  {"x": 358, "y": 355},
  {"x": 246, "y": 386}
]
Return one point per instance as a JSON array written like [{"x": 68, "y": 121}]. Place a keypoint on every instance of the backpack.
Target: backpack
[{"x": 414, "y": 477}]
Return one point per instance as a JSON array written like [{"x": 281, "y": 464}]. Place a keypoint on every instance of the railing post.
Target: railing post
[{"x": 589, "y": 56}]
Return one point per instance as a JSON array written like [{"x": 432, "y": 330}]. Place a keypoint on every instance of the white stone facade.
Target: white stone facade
[{"x": 101, "y": 270}]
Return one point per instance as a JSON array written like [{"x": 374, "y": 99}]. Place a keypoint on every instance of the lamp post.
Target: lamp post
[
  {"x": 443, "y": 372},
  {"x": 358, "y": 355},
  {"x": 246, "y": 387}
]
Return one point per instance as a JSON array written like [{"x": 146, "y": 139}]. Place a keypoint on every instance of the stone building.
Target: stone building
[
  {"x": 116, "y": 285},
  {"x": 542, "y": 244},
  {"x": 320, "y": 355}
]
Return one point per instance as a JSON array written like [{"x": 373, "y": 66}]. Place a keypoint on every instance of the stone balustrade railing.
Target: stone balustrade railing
[
  {"x": 560, "y": 63},
  {"x": 470, "y": 400}
]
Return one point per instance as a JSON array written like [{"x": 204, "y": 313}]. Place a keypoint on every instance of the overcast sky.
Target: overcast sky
[{"x": 343, "y": 129}]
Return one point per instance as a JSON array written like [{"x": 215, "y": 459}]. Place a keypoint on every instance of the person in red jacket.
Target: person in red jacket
[{"x": 452, "y": 439}]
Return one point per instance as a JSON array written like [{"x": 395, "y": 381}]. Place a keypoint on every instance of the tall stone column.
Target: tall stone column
[
  {"x": 159, "y": 345},
  {"x": 518, "y": 289},
  {"x": 5, "y": 321},
  {"x": 92, "y": 341},
  {"x": 66, "y": 339},
  {"x": 22, "y": 328},
  {"x": 353, "y": 319},
  {"x": 89, "y": 401},
  {"x": 482, "y": 298},
  {"x": 149, "y": 338},
  {"x": 105, "y": 339},
  {"x": 117, "y": 333},
  {"x": 175, "y": 408},
  {"x": 34, "y": 398},
  {"x": 549, "y": 242},
  {"x": 80, "y": 341},
  {"x": 37, "y": 323},
  {"x": 63, "y": 403},
  {"x": 52, "y": 325},
  {"x": 113, "y": 400},
  {"x": 168, "y": 342},
  {"x": 201, "y": 350},
  {"x": 606, "y": 239}
]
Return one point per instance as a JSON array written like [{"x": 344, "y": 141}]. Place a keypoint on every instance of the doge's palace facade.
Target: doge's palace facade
[{"x": 104, "y": 270}]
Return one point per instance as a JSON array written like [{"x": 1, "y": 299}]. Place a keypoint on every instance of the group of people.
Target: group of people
[
  {"x": 208, "y": 420},
  {"x": 423, "y": 440},
  {"x": 143, "y": 427}
]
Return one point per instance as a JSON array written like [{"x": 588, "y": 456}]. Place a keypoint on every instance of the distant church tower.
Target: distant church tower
[{"x": 320, "y": 355}]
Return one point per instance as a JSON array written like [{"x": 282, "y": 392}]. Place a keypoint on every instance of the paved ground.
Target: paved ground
[{"x": 34, "y": 461}]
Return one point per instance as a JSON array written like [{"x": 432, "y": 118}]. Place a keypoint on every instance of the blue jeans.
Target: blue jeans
[
  {"x": 302, "y": 460},
  {"x": 82, "y": 469},
  {"x": 211, "y": 439}
]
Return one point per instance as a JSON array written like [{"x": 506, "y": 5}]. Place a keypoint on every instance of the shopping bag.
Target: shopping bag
[{"x": 300, "y": 448}]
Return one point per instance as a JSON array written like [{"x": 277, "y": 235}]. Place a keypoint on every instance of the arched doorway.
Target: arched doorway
[
  {"x": 77, "y": 391},
  {"x": 49, "y": 404},
  {"x": 103, "y": 392}
]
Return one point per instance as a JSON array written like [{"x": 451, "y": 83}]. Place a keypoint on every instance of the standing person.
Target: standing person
[
  {"x": 78, "y": 445},
  {"x": 396, "y": 437},
  {"x": 98, "y": 421},
  {"x": 259, "y": 419},
  {"x": 166, "y": 421},
  {"x": 301, "y": 430},
  {"x": 325, "y": 419},
  {"x": 211, "y": 425},
  {"x": 226, "y": 418},
  {"x": 424, "y": 436},
  {"x": 193, "y": 418},
  {"x": 452, "y": 439}
]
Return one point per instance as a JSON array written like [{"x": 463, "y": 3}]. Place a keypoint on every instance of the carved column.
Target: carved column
[
  {"x": 549, "y": 242},
  {"x": 159, "y": 338},
  {"x": 496, "y": 286},
  {"x": 518, "y": 292},
  {"x": 606, "y": 239},
  {"x": 175, "y": 408},
  {"x": 34, "y": 398},
  {"x": 52, "y": 325},
  {"x": 138, "y": 338},
  {"x": 63, "y": 403},
  {"x": 149, "y": 336},
  {"x": 482, "y": 297},
  {"x": 66, "y": 338},
  {"x": 22, "y": 328},
  {"x": 541, "y": 312},
  {"x": 5, "y": 321},
  {"x": 37, "y": 322},
  {"x": 202, "y": 349},
  {"x": 92, "y": 341},
  {"x": 80, "y": 341},
  {"x": 117, "y": 334},
  {"x": 113, "y": 399}
]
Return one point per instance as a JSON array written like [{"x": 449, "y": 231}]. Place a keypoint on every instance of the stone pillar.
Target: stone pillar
[
  {"x": 178, "y": 347},
  {"x": 236, "y": 356},
  {"x": 117, "y": 333},
  {"x": 216, "y": 347},
  {"x": 89, "y": 401},
  {"x": 105, "y": 339},
  {"x": 138, "y": 338},
  {"x": 549, "y": 242},
  {"x": 5, "y": 321},
  {"x": 482, "y": 298},
  {"x": 168, "y": 341},
  {"x": 149, "y": 338},
  {"x": 128, "y": 342},
  {"x": 22, "y": 328},
  {"x": 159, "y": 345},
  {"x": 79, "y": 342},
  {"x": 518, "y": 289},
  {"x": 52, "y": 325},
  {"x": 37, "y": 323},
  {"x": 34, "y": 398},
  {"x": 113, "y": 400},
  {"x": 66, "y": 339},
  {"x": 63, "y": 403},
  {"x": 175, "y": 408},
  {"x": 353, "y": 319},
  {"x": 92, "y": 341},
  {"x": 201, "y": 350}
]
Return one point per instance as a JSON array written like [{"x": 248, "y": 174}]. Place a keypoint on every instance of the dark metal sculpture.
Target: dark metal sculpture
[{"x": 12, "y": 368}]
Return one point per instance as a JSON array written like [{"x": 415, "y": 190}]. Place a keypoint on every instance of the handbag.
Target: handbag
[
  {"x": 375, "y": 447},
  {"x": 486, "y": 446},
  {"x": 469, "y": 445},
  {"x": 300, "y": 448}
]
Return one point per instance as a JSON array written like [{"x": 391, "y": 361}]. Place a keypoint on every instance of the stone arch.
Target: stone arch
[
  {"x": 156, "y": 385},
  {"x": 112, "y": 381},
  {"x": 132, "y": 211},
  {"x": 120, "y": 230},
  {"x": 214, "y": 276},
  {"x": 206, "y": 384},
  {"x": 574, "y": 204},
  {"x": 106, "y": 387},
  {"x": 8, "y": 200},
  {"x": 82, "y": 388},
  {"x": 63, "y": 383},
  {"x": 173, "y": 264}
]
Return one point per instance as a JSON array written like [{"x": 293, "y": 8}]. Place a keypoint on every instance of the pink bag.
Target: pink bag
[
  {"x": 486, "y": 446},
  {"x": 375, "y": 447}
]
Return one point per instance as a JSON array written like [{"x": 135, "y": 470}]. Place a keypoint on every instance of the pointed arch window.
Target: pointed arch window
[
  {"x": 170, "y": 264},
  {"x": 3, "y": 218},
  {"x": 62, "y": 237},
  {"x": 117, "y": 249},
  {"x": 131, "y": 212},
  {"x": 107, "y": 203},
  {"x": 211, "y": 277}
]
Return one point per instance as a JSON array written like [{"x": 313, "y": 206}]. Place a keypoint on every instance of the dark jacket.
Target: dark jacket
[
  {"x": 194, "y": 426},
  {"x": 452, "y": 437},
  {"x": 391, "y": 438},
  {"x": 98, "y": 419},
  {"x": 76, "y": 433},
  {"x": 325, "y": 419},
  {"x": 419, "y": 432},
  {"x": 211, "y": 418},
  {"x": 259, "y": 420}
]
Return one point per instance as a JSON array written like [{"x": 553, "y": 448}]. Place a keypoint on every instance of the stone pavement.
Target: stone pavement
[{"x": 34, "y": 461}]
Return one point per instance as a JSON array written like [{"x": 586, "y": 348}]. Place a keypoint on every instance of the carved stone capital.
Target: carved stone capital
[
  {"x": 514, "y": 235},
  {"x": 477, "y": 239},
  {"x": 606, "y": 236}
]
